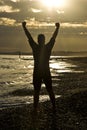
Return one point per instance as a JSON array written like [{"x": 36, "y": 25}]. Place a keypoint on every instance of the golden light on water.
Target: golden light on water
[
  {"x": 62, "y": 67},
  {"x": 58, "y": 65}
]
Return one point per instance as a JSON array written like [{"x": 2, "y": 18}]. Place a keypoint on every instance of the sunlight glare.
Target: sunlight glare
[{"x": 54, "y": 3}]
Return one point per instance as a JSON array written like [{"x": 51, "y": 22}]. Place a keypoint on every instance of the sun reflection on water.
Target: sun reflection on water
[{"x": 62, "y": 66}]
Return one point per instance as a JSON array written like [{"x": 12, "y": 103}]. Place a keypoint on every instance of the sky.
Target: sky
[{"x": 41, "y": 16}]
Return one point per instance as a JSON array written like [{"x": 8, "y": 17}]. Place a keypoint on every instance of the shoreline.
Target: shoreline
[{"x": 71, "y": 114}]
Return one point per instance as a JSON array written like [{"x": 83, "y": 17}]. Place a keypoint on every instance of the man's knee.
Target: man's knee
[
  {"x": 37, "y": 87},
  {"x": 49, "y": 88}
]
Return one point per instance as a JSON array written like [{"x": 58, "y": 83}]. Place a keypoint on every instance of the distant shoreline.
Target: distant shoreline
[{"x": 54, "y": 53}]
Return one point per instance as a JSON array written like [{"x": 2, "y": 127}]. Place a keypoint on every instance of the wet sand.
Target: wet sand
[{"x": 71, "y": 107}]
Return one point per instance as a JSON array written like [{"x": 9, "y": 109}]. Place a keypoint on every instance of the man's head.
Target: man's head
[{"x": 41, "y": 39}]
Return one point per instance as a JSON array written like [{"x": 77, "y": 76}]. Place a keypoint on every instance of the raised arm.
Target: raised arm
[
  {"x": 30, "y": 39},
  {"x": 56, "y": 30},
  {"x": 52, "y": 40},
  {"x": 26, "y": 31}
]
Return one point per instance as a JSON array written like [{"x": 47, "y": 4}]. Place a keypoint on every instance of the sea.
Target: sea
[{"x": 16, "y": 86}]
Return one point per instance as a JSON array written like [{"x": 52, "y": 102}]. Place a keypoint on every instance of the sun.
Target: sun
[{"x": 54, "y": 3}]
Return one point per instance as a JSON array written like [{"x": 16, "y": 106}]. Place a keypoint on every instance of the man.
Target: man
[{"x": 41, "y": 54}]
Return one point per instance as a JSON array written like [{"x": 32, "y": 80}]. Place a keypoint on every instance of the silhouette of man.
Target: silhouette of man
[{"x": 41, "y": 54}]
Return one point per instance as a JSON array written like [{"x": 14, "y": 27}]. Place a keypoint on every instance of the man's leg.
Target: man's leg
[
  {"x": 48, "y": 83},
  {"x": 36, "y": 98},
  {"x": 37, "y": 88},
  {"x": 35, "y": 105},
  {"x": 51, "y": 95}
]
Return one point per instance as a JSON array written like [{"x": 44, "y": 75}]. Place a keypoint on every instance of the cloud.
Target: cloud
[
  {"x": 36, "y": 23},
  {"x": 74, "y": 25},
  {"x": 1, "y": 2},
  {"x": 36, "y": 10},
  {"x": 8, "y": 22},
  {"x": 83, "y": 33},
  {"x": 8, "y": 9},
  {"x": 15, "y": 0},
  {"x": 32, "y": 23},
  {"x": 60, "y": 11}
]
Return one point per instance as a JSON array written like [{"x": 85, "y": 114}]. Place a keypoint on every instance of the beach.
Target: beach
[{"x": 70, "y": 88}]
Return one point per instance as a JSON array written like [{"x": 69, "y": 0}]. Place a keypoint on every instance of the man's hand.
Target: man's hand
[
  {"x": 24, "y": 24},
  {"x": 57, "y": 25}
]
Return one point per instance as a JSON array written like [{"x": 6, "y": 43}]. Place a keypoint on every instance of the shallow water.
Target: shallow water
[{"x": 16, "y": 77}]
